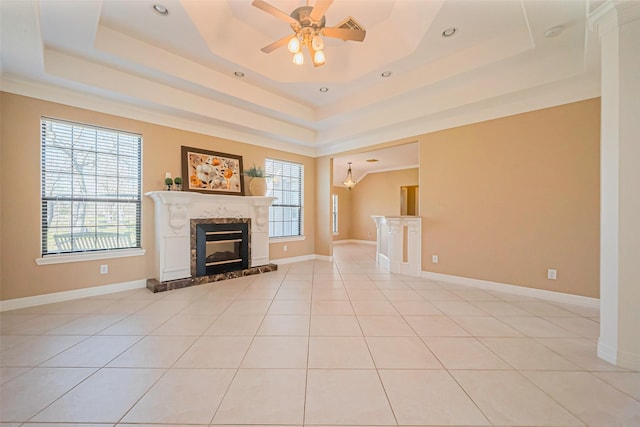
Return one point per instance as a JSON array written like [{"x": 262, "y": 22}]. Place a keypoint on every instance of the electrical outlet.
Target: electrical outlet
[
  {"x": 104, "y": 269},
  {"x": 434, "y": 259},
  {"x": 552, "y": 274},
  {"x": 284, "y": 248}
]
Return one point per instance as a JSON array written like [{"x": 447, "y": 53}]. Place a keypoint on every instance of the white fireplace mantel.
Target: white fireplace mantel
[{"x": 173, "y": 213}]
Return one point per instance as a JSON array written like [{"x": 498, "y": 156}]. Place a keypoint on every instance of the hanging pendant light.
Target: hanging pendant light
[{"x": 348, "y": 181}]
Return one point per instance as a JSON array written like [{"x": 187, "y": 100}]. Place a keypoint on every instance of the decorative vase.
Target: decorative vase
[{"x": 258, "y": 186}]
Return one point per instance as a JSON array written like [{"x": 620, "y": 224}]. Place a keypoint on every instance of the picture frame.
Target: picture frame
[{"x": 212, "y": 172}]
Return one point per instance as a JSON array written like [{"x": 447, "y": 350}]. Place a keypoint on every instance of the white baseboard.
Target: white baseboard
[
  {"x": 311, "y": 257},
  {"x": 514, "y": 289},
  {"x": 18, "y": 303},
  {"x": 362, "y": 242},
  {"x": 606, "y": 352},
  {"x": 623, "y": 359}
]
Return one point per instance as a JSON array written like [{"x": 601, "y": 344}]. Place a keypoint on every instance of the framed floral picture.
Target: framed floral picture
[{"x": 212, "y": 172}]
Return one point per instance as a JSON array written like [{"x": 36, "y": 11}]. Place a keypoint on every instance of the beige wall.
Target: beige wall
[
  {"x": 377, "y": 194},
  {"x": 507, "y": 199},
  {"x": 344, "y": 213},
  {"x": 20, "y": 197},
  {"x": 322, "y": 193}
]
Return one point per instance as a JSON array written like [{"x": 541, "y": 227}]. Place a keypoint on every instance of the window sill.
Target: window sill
[
  {"x": 88, "y": 256},
  {"x": 286, "y": 239}
]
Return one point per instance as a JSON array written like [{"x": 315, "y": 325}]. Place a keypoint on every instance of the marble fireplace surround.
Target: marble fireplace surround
[{"x": 173, "y": 213}]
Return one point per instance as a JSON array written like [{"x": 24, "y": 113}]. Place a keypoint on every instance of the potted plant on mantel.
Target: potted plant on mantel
[{"x": 257, "y": 181}]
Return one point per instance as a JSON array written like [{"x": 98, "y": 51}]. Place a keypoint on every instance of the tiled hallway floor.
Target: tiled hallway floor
[{"x": 316, "y": 343}]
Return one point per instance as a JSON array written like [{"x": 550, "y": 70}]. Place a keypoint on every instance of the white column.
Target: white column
[{"x": 618, "y": 26}]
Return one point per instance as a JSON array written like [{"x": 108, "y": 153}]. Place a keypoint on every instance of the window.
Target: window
[
  {"x": 91, "y": 189},
  {"x": 334, "y": 212},
  {"x": 285, "y": 184}
]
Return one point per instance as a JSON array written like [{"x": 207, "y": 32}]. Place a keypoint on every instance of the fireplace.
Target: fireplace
[
  {"x": 177, "y": 215},
  {"x": 220, "y": 245}
]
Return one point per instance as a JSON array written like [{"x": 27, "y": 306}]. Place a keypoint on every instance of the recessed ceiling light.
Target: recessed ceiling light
[
  {"x": 372, "y": 160},
  {"x": 324, "y": 89},
  {"x": 449, "y": 32},
  {"x": 554, "y": 31},
  {"x": 238, "y": 74},
  {"x": 160, "y": 9},
  {"x": 386, "y": 73}
]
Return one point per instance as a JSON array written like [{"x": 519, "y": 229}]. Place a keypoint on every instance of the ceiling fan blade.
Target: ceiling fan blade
[
  {"x": 273, "y": 46},
  {"x": 344, "y": 33},
  {"x": 263, "y": 5},
  {"x": 319, "y": 9}
]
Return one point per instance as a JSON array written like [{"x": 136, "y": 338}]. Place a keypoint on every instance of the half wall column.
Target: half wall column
[{"x": 618, "y": 26}]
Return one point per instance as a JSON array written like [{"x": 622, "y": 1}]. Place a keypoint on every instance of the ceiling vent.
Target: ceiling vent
[{"x": 350, "y": 24}]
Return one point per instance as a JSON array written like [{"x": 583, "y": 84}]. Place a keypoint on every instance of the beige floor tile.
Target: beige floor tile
[
  {"x": 580, "y": 351},
  {"x": 67, "y": 425},
  {"x": 627, "y": 382},
  {"x": 37, "y": 349},
  {"x": 248, "y": 307},
  {"x": 438, "y": 294},
  {"x": 429, "y": 397},
  {"x": 464, "y": 353},
  {"x": 595, "y": 402},
  {"x": 500, "y": 308},
  {"x": 215, "y": 352},
  {"x": 436, "y": 326},
  {"x": 125, "y": 306},
  {"x": 402, "y": 295},
  {"x": 366, "y": 295},
  {"x": 9, "y": 373},
  {"x": 485, "y": 326},
  {"x": 401, "y": 353},
  {"x": 543, "y": 309},
  {"x": 364, "y": 308},
  {"x": 95, "y": 351},
  {"x": 262, "y": 293},
  {"x": 508, "y": 398},
  {"x": 416, "y": 308},
  {"x": 104, "y": 397},
  {"x": 526, "y": 353},
  {"x": 32, "y": 324},
  {"x": 346, "y": 397},
  {"x": 277, "y": 352},
  {"x": 329, "y": 326},
  {"x": 185, "y": 324},
  {"x": 579, "y": 325},
  {"x": 189, "y": 396},
  {"x": 290, "y": 307},
  {"x": 207, "y": 307},
  {"x": 385, "y": 326},
  {"x": 331, "y": 308},
  {"x": 339, "y": 352},
  {"x": 87, "y": 325},
  {"x": 137, "y": 324},
  {"x": 458, "y": 308},
  {"x": 24, "y": 396},
  {"x": 153, "y": 352},
  {"x": 294, "y": 294},
  {"x": 331, "y": 294},
  {"x": 235, "y": 324},
  {"x": 474, "y": 295},
  {"x": 166, "y": 307},
  {"x": 286, "y": 325},
  {"x": 536, "y": 327},
  {"x": 264, "y": 396}
]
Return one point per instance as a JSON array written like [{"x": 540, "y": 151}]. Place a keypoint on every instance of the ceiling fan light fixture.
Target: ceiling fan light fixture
[
  {"x": 298, "y": 58},
  {"x": 317, "y": 43},
  {"x": 294, "y": 45},
  {"x": 318, "y": 57}
]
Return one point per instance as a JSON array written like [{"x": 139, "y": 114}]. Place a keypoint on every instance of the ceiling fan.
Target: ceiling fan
[{"x": 308, "y": 25}]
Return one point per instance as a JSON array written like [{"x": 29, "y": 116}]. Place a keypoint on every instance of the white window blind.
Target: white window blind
[
  {"x": 91, "y": 188},
  {"x": 334, "y": 212},
  {"x": 285, "y": 183}
]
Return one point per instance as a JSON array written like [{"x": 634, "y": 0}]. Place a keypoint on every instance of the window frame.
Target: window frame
[
  {"x": 60, "y": 255},
  {"x": 275, "y": 204}
]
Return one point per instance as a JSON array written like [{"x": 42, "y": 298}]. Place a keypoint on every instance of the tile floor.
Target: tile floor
[{"x": 316, "y": 343}]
